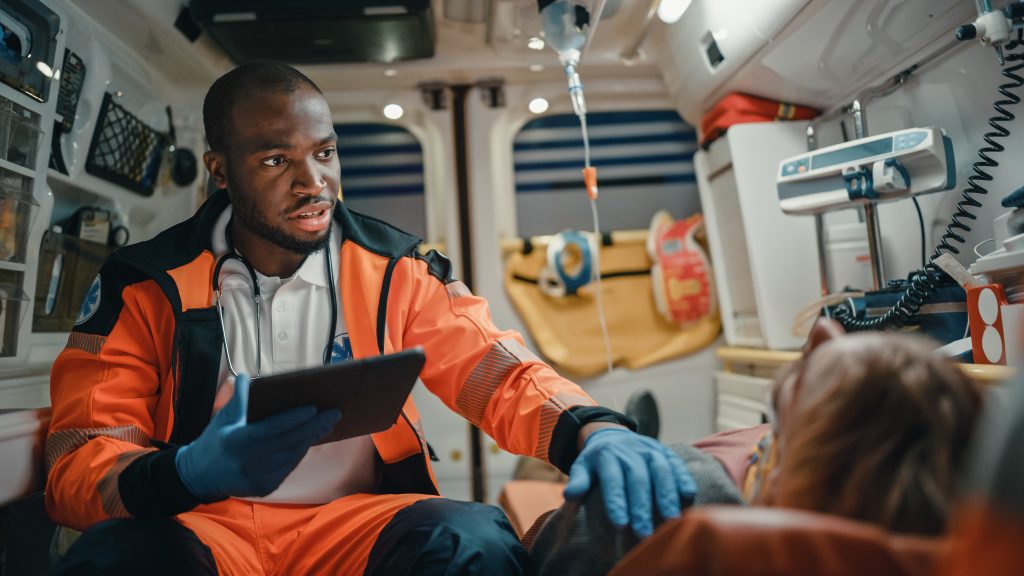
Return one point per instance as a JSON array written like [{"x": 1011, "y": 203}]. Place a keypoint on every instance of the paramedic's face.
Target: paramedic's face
[{"x": 282, "y": 167}]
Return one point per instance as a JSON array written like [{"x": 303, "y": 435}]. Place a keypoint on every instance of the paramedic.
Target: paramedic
[{"x": 149, "y": 450}]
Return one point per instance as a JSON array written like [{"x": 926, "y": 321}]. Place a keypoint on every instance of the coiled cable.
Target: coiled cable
[{"x": 924, "y": 281}]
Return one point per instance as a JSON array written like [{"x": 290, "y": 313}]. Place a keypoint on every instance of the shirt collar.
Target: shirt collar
[
  {"x": 313, "y": 269},
  {"x": 219, "y": 238}
]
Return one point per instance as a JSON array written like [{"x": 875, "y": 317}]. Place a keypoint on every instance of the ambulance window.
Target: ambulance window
[
  {"x": 382, "y": 174},
  {"x": 644, "y": 162}
]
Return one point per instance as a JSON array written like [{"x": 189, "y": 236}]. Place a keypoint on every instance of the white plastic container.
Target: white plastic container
[
  {"x": 765, "y": 262},
  {"x": 849, "y": 261}
]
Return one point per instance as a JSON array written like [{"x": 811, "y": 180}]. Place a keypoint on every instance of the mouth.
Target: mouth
[
  {"x": 309, "y": 215},
  {"x": 312, "y": 217}
]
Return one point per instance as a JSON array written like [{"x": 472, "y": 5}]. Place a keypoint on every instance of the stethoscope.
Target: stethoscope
[{"x": 257, "y": 298}]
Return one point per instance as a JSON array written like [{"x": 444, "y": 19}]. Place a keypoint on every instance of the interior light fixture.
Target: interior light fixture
[
  {"x": 44, "y": 68},
  {"x": 672, "y": 10},
  {"x": 538, "y": 105},
  {"x": 536, "y": 43},
  {"x": 536, "y": 67},
  {"x": 393, "y": 111},
  {"x": 391, "y": 72}
]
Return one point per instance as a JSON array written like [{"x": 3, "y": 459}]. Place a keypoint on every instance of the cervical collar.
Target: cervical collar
[{"x": 681, "y": 277}]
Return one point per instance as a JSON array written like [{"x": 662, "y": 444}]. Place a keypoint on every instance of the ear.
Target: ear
[
  {"x": 824, "y": 329},
  {"x": 216, "y": 165}
]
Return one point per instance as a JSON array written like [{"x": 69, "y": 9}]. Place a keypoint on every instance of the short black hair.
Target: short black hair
[{"x": 226, "y": 91}]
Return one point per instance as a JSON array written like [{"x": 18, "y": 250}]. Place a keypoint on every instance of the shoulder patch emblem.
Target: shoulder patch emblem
[{"x": 91, "y": 303}]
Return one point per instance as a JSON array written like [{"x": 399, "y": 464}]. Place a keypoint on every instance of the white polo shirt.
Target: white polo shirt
[{"x": 294, "y": 321}]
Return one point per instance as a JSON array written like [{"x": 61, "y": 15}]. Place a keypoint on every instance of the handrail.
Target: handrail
[{"x": 729, "y": 355}]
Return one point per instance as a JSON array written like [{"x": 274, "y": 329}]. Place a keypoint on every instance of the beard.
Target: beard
[{"x": 249, "y": 215}]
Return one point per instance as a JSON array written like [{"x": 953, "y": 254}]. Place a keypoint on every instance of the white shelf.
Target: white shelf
[
  {"x": 75, "y": 191},
  {"x": 89, "y": 190},
  {"x": 26, "y": 101},
  {"x": 17, "y": 168},
  {"x": 22, "y": 435},
  {"x": 15, "y": 371}
]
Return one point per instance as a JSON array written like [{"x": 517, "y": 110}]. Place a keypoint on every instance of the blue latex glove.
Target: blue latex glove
[
  {"x": 630, "y": 468},
  {"x": 233, "y": 458}
]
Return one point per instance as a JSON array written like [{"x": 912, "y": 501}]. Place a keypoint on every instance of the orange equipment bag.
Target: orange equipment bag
[{"x": 739, "y": 108}]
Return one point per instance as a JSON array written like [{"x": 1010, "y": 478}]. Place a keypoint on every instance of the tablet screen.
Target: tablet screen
[{"x": 369, "y": 392}]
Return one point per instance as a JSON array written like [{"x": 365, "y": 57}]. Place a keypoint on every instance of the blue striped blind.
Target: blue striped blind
[
  {"x": 644, "y": 162},
  {"x": 382, "y": 174}
]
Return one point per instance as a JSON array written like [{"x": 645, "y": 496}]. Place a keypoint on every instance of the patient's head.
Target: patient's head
[{"x": 873, "y": 426}]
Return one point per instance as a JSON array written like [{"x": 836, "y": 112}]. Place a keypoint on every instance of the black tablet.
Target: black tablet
[{"x": 369, "y": 392}]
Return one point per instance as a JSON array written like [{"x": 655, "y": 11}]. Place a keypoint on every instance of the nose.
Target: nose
[{"x": 309, "y": 178}]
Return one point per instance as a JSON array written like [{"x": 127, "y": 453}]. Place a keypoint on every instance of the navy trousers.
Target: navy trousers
[{"x": 433, "y": 537}]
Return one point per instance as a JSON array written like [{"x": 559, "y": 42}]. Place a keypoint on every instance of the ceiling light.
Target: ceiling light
[
  {"x": 393, "y": 111},
  {"x": 672, "y": 10},
  {"x": 536, "y": 43},
  {"x": 391, "y": 72},
  {"x": 46, "y": 70},
  {"x": 536, "y": 67},
  {"x": 538, "y": 105}
]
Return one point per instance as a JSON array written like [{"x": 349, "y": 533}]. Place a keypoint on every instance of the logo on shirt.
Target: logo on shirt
[
  {"x": 91, "y": 303},
  {"x": 341, "y": 350}
]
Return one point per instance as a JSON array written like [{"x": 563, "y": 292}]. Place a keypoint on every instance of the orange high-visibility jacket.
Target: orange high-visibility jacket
[{"x": 139, "y": 373}]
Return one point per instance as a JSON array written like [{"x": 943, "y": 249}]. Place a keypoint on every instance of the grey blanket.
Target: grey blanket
[{"x": 578, "y": 540}]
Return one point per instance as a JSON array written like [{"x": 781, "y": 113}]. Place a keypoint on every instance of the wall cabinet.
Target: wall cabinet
[{"x": 27, "y": 108}]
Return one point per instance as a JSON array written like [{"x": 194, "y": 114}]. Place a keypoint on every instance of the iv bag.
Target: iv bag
[{"x": 568, "y": 24}]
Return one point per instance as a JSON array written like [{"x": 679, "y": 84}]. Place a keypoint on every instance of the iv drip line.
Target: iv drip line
[
  {"x": 600, "y": 305},
  {"x": 590, "y": 177},
  {"x": 586, "y": 135}
]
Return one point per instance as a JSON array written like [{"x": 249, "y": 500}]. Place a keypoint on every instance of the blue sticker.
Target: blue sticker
[
  {"x": 91, "y": 303},
  {"x": 341, "y": 350}
]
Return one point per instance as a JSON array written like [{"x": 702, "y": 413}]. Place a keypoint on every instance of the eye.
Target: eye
[
  {"x": 326, "y": 154},
  {"x": 274, "y": 161}
]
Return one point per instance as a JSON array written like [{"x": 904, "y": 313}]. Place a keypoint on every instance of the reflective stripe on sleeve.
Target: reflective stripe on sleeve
[
  {"x": 457, "y": 289},
  {"x": 110, "y": 493},
  {"x": 503, "y": 357},
  {"x": 549, "y": 414},
  {"x": 62, "y": 442},
  {"x": 550, "y": 411},
  {"x": 91, "y": 343}
]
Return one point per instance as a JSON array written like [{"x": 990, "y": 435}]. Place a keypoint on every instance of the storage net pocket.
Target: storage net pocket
[{"x": 124, "y": 150}]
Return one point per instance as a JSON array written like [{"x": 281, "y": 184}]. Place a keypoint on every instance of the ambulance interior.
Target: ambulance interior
[{"x": 826, "y": 146}]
